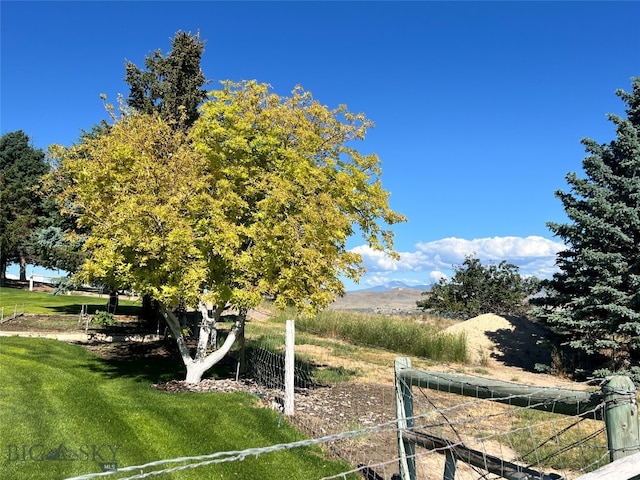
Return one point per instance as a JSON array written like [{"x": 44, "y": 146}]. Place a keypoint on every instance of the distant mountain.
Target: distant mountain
[
  {"x": 393, "y": 297},
  {"x": 392, "y": 286}
]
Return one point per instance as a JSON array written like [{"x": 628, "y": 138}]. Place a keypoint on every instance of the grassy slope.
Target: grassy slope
[
  {"x": 53, "y": 394},
  {"x": 42, "y": 302}
]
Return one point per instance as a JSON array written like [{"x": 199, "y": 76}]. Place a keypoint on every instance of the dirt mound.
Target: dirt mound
[{"x": 512, "y": 341}]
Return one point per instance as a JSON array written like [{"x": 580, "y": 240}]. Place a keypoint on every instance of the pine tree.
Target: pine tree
[
  {"x": 171, "y": 85},
  {"x": 594, "y": 300},
  {"x": 21, "y": 166}
]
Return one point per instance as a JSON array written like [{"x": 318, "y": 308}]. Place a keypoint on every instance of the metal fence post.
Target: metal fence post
[
  {"x": 621, "y": 417},
  {"x": 449, "y": 465},
  {"x": 404, "y": 415},
  {"x": 289, "y": 367}
]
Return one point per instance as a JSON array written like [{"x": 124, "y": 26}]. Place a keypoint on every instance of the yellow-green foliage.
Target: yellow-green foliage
[{"x": 258, "y": 198}]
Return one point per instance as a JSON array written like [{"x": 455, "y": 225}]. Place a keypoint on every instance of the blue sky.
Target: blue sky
[{"x": 479, "y": 107}]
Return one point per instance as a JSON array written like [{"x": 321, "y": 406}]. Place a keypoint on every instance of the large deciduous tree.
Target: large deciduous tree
[
  {"x": 475, "y": 289},
  {"x": 258, "y": 198},
  {"x": 21, "y": 167},
  {"x": 594, "y": 300},
  {"x": 171, "y": 85}
]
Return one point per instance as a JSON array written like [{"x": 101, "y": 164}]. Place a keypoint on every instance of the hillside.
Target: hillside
[{"x": 396, "y": 300}]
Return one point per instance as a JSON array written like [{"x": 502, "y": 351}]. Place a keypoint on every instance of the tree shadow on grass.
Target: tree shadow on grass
[
  {"x": 524, "y": 347},
  {"x": 143, "y": 362},
  {"x": 160, "y": 362},
  {"x": 93, "y": 307},
  {"x": 152, "y": 362}
]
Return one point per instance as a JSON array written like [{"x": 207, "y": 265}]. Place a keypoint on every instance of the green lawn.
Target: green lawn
[
  {"x": 63, "y": 412},
  {"x": 47, "y": 303}
]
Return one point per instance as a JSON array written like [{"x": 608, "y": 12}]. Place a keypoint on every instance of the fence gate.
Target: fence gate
[{"x": 581, "y": 430}]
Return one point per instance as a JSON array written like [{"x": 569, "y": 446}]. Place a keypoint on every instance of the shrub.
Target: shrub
[
  {"x": 104, "y": 319},
  {"x": 476, "y": 289}
]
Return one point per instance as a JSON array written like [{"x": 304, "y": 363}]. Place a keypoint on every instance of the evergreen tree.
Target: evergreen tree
[
  {"x": 21, "y": 166},
  {"x": 594, "y": 300},
  {"x": 57, "y": 243},
  {"x": 171, "y": 85}
]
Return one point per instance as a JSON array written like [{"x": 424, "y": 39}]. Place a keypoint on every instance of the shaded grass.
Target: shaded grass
[
  {"x": 54, "y": 394},
  {"x": 47, "y": 303}
]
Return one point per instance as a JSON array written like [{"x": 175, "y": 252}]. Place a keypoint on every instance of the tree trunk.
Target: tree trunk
[
  {"x": 197, "y": 366},
  {"x": 147, "y": 307},
  {"x": 208, "y": 330},
  {"x": 3, "y": 270},
  {"x": 174, "y": 325},
  {"x": 23, "y": 269},
  {"x": 195, "y": 371}
]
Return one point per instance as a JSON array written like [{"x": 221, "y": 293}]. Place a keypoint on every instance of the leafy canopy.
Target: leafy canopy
[
  {"x": 475, "y": 289},
  {"x": 594, "y": 300},
  {"x": 258, "y": 198}
]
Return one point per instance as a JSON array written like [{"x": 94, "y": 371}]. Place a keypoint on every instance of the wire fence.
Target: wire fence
[
  {"x": 560, "y": 448},
  {"x": 17, "y": 312},
  {"x": 509, "y": 430},
  {"x": 499, "y": 440},
  {"x": 522, "y": 440},
  {"x": 267, "y": 369},
  {"x": 167, "y": 466}
]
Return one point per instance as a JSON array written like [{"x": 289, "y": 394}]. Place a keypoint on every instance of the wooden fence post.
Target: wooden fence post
[
  {"x": 621, "y": 417},
  {"x": 404, "y": 414}
]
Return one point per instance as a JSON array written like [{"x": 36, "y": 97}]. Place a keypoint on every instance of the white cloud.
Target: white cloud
[
  {"x": 431, "y": 261},
  {"x": 377, "y": 261},
  {"x": 436, "y": 275},
  {"x": 453, "y": 250}
]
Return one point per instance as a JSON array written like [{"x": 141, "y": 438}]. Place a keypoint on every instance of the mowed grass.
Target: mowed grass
[
  {"x": 29, "y": 302},
  {"x": 64, "y": 412}
]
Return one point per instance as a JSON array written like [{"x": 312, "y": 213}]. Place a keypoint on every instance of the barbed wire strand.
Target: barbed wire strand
[{"x": 239, "y": 455}]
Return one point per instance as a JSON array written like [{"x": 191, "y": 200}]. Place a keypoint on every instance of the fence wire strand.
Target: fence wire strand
[
  {"x": 235, "y": 455},
  {"x": 559, "y": 444},
  {"x": 562, "y": 446}
]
